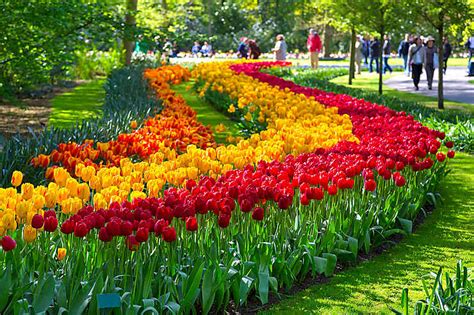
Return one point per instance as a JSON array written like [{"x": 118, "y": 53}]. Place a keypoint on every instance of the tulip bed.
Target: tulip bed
[{"x": 174, "y": 222}]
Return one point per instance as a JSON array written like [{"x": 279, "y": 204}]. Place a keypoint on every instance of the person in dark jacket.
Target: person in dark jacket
[
  {"x": 374, "y": 52},
  {"x": 365, "y": 49},
  {"x": 242, "y": 50},
  {"x": 447, "y": 50},
  {"x": 403, "y": 52},
  {"x": 430, "y": 60},
  {"x": 254, "y": 50},
  {"x": 386, "y": 54}
]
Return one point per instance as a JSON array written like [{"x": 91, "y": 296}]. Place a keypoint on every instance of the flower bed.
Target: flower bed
[{"x": 317, "y": 184}]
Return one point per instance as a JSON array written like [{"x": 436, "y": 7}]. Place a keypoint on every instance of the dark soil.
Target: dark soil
[{"x": 30, "y": 111}]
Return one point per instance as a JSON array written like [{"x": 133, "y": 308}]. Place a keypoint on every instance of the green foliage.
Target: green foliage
[
  {"x": 224, "y": 22},
  {"x": 40, "y": 39},
  {"x": 458, "y": 126},
  {"x": 92, "y": 63},
  {"x": 126, "y": 99},
  {"x": 447, "y": 295}
]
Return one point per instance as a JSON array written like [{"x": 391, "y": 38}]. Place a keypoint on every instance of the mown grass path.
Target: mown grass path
[
  {"x": 375, "y": 286},
  {"x": 83, "y": 102},
  {"x": 206, "y": 113}
]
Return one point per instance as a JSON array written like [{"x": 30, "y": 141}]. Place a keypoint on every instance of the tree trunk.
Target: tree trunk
[
  {"x": 327, "y": 40},
  {"x": 381, "y": 62},
  {"x": 130, "y": 24},
  {"x": 352, "y": 59},
  {"x": 440, "y": 68}
]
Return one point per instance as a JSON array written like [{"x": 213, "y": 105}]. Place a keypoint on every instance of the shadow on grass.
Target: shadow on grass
[
  {"x": 375, "y": 286},
  {"x": 84, "y": 102}
]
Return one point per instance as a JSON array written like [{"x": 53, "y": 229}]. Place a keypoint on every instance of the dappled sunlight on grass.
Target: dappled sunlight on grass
[
  {"x": 84, "y": 102},
  {"x": 206, "y": 113},
  {"x": 375, "y": 286}
]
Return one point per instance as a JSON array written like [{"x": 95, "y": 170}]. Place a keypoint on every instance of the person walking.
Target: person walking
[
  {"x": 416, "y": 59},
  {"x": 365, "y": 49},
  {"x": 386, "y": 54},
  {"x": 242, "y": 50},
  {"x": 447, "y": 50},
  {"x": 431, "y": 57},
  {"x": 374, "y": 52},
  {"x": 470, "y": 47},
  {"x": 403, "y": 53},
  {"x": 254, "y": 50},
  {"x": 314, "y": 47},
  {"x": 358, "y": 53},
  {"x": 280, "y": 48}
]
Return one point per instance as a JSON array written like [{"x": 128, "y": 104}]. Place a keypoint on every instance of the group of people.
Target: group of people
[
  {"x": 249, "y": 49},
  {"x": 205, "y": 50},
  {"x": 369, "y": 50},
  {"x": 417, "y": 52}
]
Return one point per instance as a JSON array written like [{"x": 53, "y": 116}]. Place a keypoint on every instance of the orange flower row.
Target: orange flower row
[{"x": 175, "y": 128}]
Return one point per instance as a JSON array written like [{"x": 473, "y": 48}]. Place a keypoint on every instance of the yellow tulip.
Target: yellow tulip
[
  {"x": 29, "y": 233},
  {"x": 61, "y": 253},
  {"x": 17, "y": 178}
]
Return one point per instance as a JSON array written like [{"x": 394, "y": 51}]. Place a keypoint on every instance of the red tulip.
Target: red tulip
[
  {"x": 8, "y": 243},
  {"x": 132, "y": 243},
  {"x": 114, "y": 228},
  {"x": 370, "y": 185},
  {"x": 449, "y": 144},
  {"x": 104, "y": 235},
  {"x": 68, "y": 226},
  {"x": 159, "y": 226},
  {"x": 440, "y": 157},
  {"x": 50, "y": 224},
  {"x": 258, "y": 214},
  {"x": 332, "y": 190},
  {"x": 37, "y": 221},
  {"x": 49, "y": 213},
  {"x": 223, "y": 220},
  {"x": 191, "y": 224},
  {"x": 142, "y": 235},
  {"x": 81, "y": 229},
  {"x": 169, "y": 234},
  {"x": 451, "y": 154},
  {"x": 126, "y": 228}
]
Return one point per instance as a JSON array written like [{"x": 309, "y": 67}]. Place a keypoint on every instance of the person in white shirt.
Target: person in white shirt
[
  {"x": 280, "y": 48},
  {"x": 416, "y": 59}
]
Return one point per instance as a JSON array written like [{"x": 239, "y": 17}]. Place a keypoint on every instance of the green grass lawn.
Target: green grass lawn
[
  {"x": 375, "y": 286},
  {"x": 206, "y": 113},
  {"x": 370, "y": 81},
  {"x": 83, "y": 102}
]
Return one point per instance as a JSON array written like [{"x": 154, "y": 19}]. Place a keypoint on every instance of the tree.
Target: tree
[
  {"x": 346, "y": 17},
  {"x": 130, "y": 25},
  {"x": 443, "y": 16},
  {"x": 39, "y": 38}
]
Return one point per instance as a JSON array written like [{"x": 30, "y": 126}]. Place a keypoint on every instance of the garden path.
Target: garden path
[{"x": 456, "y": 85}]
